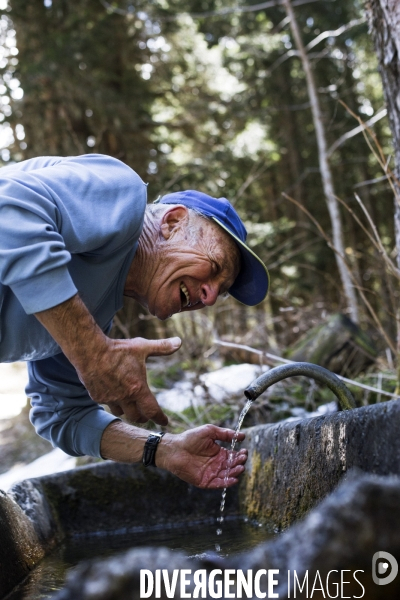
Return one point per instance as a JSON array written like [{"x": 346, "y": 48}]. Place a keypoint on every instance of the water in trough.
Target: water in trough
[{"x": 197, "y": 541}]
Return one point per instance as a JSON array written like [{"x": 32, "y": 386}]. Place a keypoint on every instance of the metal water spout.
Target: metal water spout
[{"x": 316, "y": 372}]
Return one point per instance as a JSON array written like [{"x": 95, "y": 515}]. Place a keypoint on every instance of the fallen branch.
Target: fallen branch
[{"x": 275, "y": 358}]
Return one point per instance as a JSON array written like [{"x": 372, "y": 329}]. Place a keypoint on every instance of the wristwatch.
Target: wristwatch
[{"x": 150, "y": 447}]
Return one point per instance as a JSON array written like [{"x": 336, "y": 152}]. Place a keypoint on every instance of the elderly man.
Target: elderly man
[{"x": 75, "y": 237}]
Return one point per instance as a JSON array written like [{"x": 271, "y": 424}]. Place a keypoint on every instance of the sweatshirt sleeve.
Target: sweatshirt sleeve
[
  {"x": 62, "y": 411},
  {"x": 80, "y": 205}
]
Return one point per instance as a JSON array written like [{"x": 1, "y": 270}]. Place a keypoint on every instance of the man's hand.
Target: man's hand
[
  {"x": 117, "y": 377},
  {"x": 195, "y": 457},
  {"x": 112, "y": 371}
]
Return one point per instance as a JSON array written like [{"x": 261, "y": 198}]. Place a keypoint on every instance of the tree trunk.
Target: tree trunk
[
  {"x": 326, "y": 174},
  {"x": 384, "y": 21}
]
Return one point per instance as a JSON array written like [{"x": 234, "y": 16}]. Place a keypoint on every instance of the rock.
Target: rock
[
  {"x": 344, "y": 532},
  {"x": 52, "y": 462},
  {"x": 291, "y": 468},
  {"x": 20, "y": 546},
  {"x": 31, "y": 499},
  {"x": 110, "y": 497},
  {"x": 294, "y": 465}
]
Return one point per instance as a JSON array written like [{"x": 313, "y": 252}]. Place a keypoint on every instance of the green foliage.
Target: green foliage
[
  {"x": 218, "y": 103},
  {"x": 385, "y": 380},
  {"x": 162, "y": 377},
  {"x": 223, "y": 415}
]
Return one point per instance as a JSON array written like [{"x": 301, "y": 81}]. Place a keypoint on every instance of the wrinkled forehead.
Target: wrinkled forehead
[{"x": 226, "y": 250}]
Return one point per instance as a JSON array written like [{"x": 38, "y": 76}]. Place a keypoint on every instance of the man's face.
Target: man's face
[{"x": 196, "y": 266}]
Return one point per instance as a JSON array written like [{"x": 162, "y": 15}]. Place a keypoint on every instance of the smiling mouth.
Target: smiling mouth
[{"x": 185, "y": 298}]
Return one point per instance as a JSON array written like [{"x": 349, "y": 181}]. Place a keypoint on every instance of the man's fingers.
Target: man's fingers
[
  {"x": 141, "y": 409},
  {"x": 115, "y": 408},
  {"x": 162, "y": 347},
  {"x": 226, "y": 435},
  {"x": 230, "y": 482},
  {"x": 238, "y": 459},
  {"x": 234, "y": 471},
  {"x": 221, "y": 482},
  {"x": 133, "y": 414},
  {"x": 149, "y": 407},
  {"x": 158, "y": 416}
]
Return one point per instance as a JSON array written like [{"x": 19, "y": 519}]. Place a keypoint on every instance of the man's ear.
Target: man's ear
[{"x": 173, "y": 219}]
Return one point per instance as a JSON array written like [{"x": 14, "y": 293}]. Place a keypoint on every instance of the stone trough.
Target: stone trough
[{"x": 330, "y": 483}]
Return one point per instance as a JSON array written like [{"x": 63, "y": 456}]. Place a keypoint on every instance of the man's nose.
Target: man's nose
[{"x": 209, "y": 294}]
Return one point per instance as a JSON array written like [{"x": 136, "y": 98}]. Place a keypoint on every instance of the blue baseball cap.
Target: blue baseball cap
[{"x": 252, "y": 283}]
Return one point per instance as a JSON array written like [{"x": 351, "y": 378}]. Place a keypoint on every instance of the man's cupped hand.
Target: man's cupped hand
[{"x": 196, "y": 456}]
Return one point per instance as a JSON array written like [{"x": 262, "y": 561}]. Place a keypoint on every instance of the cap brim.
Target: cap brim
[{"x": 252, "y": 283}]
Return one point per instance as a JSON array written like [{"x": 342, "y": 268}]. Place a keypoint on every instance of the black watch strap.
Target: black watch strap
[{"x": 150, "y": 447}]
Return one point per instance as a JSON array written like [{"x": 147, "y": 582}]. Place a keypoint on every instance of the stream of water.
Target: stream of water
[{"x": 239, "y": 424}]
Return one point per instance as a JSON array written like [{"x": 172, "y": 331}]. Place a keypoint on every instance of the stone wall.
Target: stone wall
[
  {"x": 108, "y": 497},
  {"x": 292, "y": 466}
]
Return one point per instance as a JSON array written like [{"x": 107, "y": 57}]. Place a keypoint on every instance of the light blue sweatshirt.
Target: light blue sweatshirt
[{"x": 67, "y": 225}]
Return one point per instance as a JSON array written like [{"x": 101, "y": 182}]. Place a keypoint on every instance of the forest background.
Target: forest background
[{"x": 216, "y": 96}]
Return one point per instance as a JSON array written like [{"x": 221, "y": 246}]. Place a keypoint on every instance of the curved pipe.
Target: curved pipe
[{"x": 316, "y": 372}]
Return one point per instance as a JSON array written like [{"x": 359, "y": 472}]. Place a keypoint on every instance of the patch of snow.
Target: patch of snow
[
  {"x": 298, "y": 412},
  {"x": 13, "y": 379},
  {"x": 199, "y": 391},
  {"x": 220, "y": 385},
  {"x": 231, "y": 381},
  {"x": 53, "y": 462},
  {"x": 301, "y": 413},
  {"x": 325, "y": 409},
  {"x": 181, "y": 396}
]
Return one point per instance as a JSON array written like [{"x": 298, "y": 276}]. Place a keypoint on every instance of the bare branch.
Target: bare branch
[
  {"x": 211, "y": 13},
  {"x": 257, "y": 171},
  {"x": 335, "y": 32},
  {"x": 313, "y": 219},
  {"x": 124, "y": 330},
  {"x": 293, "y": 253},
  {"x": 393, "y": 269},
  {"x": 288, "y": 242},
  {"x": 359, "y": 222},
  {"x": 349, "y": 134},
  {"x": 371, "y": 181},
  {"x": 279, "y": 359},
  {"x": 379, "y": 154},
  {"x": 282, "y": 59},
  {"x": 326, "y": 173},
  {"x": 353, "y": 279}
]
